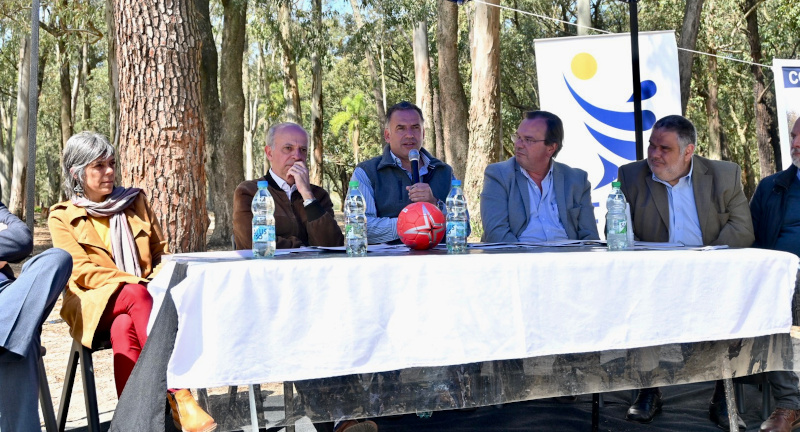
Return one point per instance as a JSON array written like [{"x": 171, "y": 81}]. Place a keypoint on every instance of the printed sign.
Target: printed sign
[{"x": 587, "y": 81}]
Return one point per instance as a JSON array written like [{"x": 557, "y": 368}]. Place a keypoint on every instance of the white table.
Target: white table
[
  {"x": 286, "y": 319},
  {"x": 394, "y": 312}
]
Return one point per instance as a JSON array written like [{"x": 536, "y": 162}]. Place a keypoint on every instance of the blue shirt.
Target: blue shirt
[
  {"x": 684, "y": 224},
  {"x": 382, "y": 230},
  {"x": 543, "y": 221}
]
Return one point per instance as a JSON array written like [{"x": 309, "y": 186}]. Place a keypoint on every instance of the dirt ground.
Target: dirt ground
[{"x": 58, "y": 342}]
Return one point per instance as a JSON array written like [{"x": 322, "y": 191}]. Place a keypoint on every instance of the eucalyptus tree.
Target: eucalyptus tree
[
  {"x": 223, "y": 114},
  {"x": 484, "y": 111}
]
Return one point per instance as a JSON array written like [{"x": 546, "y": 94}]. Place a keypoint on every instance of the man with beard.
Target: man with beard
[
  {"x": 775, "y": 208},
  {"x": 678, "y": 197}
]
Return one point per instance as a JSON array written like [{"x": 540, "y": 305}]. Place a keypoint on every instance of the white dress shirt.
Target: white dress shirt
[
  {"x": 543, "y": 221},
  {"x": 283, "y": 185},
  {"x": 684, "y": 224}
]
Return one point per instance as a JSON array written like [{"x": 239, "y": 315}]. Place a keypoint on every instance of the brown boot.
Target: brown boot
[
  {"x": 782, "y": 420},
  {"x": 357, "y": 426},
  {"x": 187, "y": 415}
]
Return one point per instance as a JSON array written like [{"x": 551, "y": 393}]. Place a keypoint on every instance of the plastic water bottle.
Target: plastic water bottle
[
  {"x": 263, "y": 207},
  {"x": 616, "y": 220},
  {"x": 355, "y": 222},
  {"x": 456, "y": 219}
]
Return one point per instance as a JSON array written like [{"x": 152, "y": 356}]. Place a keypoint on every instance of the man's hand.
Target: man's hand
[
  {"x": 299, "y": 172},
  {"x": 421, "y": 192}
]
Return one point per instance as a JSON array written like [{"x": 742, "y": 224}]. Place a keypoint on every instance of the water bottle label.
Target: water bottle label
[
  {"x": 456, "y": 229},
  {"x": 351, "y": 231},
  {"x": 264, "y": 233},
  {"x": 619, "y": 227}
]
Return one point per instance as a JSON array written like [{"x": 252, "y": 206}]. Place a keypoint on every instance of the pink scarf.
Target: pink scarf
[{"x": 126, "y": 256}]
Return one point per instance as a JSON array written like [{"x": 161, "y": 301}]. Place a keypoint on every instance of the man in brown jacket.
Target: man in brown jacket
[
  {"x": 303, "y": 211},
  {"x": 303, "y": 217}
]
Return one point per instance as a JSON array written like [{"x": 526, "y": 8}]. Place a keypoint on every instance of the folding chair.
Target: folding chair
[
  {"x": 45, "y": 400},
  {"x": 80, "y": 355}
]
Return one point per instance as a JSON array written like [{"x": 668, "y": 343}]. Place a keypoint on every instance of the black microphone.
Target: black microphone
[{"x": 413, "y": 155}]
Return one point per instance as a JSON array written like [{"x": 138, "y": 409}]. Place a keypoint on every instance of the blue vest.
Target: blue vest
[{"x": 389, "y": 181}]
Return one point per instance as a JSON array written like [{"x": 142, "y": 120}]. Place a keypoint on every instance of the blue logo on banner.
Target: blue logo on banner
[
  {"x": 584, "y": 67},
  {"x": 791, "y": 77}
]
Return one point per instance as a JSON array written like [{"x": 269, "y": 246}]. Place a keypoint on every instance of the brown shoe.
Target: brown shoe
[
  {"x": 356, "y": 426},
  {"x": 782, "y": 420},
  {"x": 187, "y": 415}
]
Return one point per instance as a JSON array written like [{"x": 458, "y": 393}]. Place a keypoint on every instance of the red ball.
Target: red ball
[{"x": 421, "y": 225}]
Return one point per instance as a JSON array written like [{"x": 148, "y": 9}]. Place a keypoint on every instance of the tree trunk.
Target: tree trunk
[
  {"x": 75, "y": 92},
  {"x": 66, "y": 93},
  {"x": 484, "y": 112},
  {"x": 769, "y": 152},
  {"x": 373, "y": 71},
  {"x": 226, "y": 159},
  {"x": 691, "y": 24},
  {"x": 717, "y": 147},
  {"x": 251, "y": 119},
  {"x": 6, "y": 152},
  {"x": 584, "y": 16},
  {"x": 317, "y": 54},
  {"x": 422, "y": 74},
  {"x": 86, "y": 74},
  {"x": 209, "y": 88},
  {"x": 437, "y": 123},
  {"x": 161, "y": 136},
  {"x": 113, "y": 82},
  {"x": 455, "y": 114},
  {"x": 17, "y": 196},
  {"x": 291, "y": 88}
]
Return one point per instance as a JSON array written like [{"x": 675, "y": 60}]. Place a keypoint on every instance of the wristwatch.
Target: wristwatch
[{"x": 308, "y": 202}]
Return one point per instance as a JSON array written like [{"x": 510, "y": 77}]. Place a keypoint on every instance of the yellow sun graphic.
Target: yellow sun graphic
[{"x": 584, "y": 66}]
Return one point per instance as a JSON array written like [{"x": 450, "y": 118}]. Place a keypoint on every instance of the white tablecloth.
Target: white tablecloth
[{"x": 255, "y": 321}]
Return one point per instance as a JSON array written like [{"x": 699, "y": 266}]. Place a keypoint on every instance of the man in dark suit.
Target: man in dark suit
[
  {"x": 24, "y": 305},
  {"x": 775, "y": 208},
  {"x": 676, "y": 196},
  {"x": 532, "y": 198}
]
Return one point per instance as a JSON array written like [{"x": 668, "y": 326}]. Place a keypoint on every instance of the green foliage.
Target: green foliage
[{"x": 349, "y": 104}]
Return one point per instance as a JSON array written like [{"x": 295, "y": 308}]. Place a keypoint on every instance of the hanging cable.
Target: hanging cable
[{"x": 608, "y": 32}]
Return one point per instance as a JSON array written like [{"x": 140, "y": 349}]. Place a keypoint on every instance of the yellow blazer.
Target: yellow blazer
[{"x": 95, "y": 276}]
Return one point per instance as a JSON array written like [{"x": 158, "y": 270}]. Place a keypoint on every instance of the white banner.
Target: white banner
[
  {"x": 787, "y": 96},
  {"x": 587, "y": 81}
]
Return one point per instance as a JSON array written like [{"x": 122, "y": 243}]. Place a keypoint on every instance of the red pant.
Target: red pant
[{"x": 126, "y": 317}]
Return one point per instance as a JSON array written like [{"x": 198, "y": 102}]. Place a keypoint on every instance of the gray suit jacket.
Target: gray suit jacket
[
  {"x": 722, "y": 207},
  {"x": 505, "y": 203}
]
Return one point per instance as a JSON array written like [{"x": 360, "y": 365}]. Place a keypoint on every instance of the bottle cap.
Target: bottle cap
[
  {"x": 616, "y": 184},
  {"x": 263, "y": 184},
  {"x": 353, "y": 183},
  {"x": 456, "y": 182}
]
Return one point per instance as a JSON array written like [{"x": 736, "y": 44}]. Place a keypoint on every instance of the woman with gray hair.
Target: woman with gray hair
[{"x": 116, "y": 245}]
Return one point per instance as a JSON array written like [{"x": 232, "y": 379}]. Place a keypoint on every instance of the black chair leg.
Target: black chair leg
[
  {"x": 766, "y": 400},
  {"x": 69, "y": 381},
  {"x": 46, "y": 401},
  {"x": 89, "y": 389}
]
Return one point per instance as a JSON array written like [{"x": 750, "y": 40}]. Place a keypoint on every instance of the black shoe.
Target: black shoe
[
  {"x": 646, "y": 406},
  {"x": 718, "y": 413}
]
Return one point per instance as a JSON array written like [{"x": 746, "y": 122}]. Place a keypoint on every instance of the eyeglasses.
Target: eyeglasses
[{"x": 528, "y": 141}]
